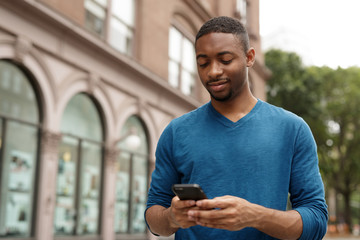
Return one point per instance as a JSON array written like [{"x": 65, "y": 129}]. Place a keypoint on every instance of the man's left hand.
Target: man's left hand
[{"x": 227, "y": 212}]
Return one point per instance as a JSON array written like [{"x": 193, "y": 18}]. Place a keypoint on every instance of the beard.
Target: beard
[{"x": 223, "y": 98}]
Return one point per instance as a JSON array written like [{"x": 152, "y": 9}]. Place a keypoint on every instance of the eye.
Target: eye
[
  {"x": 226, "y": 61},
  {"x": 203, "y": 65}
]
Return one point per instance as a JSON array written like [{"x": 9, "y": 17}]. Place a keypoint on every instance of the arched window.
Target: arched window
[
  {"x": 19, "y": 137},
  {"x": 132, "y": 177},
  {"x": 78, "y": 188}
]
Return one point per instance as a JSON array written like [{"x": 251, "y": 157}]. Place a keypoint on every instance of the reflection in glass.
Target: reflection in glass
[
  {"x": 64, "y": 215},
  {"x": 121, "y": 217},
  {"x": 182, "y": 65},
  {"x": 95, "y": 17},
  {"x": 124, "y": 10},
  {"x": 81, "y": 118},
  {"x": 188, "y": 59},
  {"x": 65, "y": 188},
  {"x": 122, "y": 192},
  {"x": 175, "y": 44},
  {"x": 122, "y": 24},
  {"x": 139, "y": 193},
  {"x": 131, "y": 181},
  {"x": 79, "y": 169},
  {"x": 17, "y": 97},
  {"x": 90, "y": 185},
  {"x": 187, "y": 82},
  {"x": 120, "y": 36},
  {"x": 173, "y": 74},
  {"x": 135, "y": 124},
  {"x": 17, "y": 178}
]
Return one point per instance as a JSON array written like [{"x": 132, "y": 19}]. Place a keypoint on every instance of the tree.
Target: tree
[
  {"x": 341, "y": 164},
  {"x": 295, "y": 88},
  {"x": 329, "y": 101}
]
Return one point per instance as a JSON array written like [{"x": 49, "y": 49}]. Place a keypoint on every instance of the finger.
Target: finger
[
  {"x": 219, "y": 202},
  {"x": 177, "y": 203},
  {"x": 207, "y": 215}
]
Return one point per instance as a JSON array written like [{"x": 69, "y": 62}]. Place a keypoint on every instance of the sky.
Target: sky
[{"x": 321, "y": 32}]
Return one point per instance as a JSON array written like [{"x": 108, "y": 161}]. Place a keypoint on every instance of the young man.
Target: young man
[{"x": 246, "y": 154}]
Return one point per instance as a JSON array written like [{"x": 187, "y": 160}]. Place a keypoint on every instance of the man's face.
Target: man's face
[{"x": 222, "y": 65}]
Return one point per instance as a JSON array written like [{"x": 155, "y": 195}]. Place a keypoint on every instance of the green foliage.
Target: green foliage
[{"x": 329, "y": 101}]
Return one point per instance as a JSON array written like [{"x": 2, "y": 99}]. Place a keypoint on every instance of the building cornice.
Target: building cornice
[{"x": 52, "y": 19}]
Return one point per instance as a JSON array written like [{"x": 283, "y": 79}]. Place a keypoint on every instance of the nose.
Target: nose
[{"x": 215, "y": 70}]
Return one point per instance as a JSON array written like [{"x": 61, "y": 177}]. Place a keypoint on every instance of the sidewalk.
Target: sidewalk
[{"x": 327, "y": 237}]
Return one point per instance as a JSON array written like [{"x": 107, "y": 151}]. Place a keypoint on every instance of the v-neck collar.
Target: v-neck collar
[{"x": 227, "y": 122}]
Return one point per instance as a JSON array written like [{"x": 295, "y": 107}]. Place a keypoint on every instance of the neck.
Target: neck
[{"x": 237, "y": 108}]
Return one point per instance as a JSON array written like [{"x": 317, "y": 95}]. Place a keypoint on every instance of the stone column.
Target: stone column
[
  {"x": 47, "y": 185},
  {"x": 109, "y": 191}
]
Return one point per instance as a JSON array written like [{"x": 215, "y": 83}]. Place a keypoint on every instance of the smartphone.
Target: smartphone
[{"x": 188, "y": 191}]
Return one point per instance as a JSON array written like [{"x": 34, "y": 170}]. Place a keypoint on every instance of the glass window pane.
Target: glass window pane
[
  {"x": 95, "y": 17},
  {"x": 18, "y": 177},
  {"x": 121, "y": 217},
  {"x": 188, "y": 59},
  {"x": 139, "y": 193},
  {"x": 173, "y": 74},
  {"x": 68, "y": 155},
  {"x": 17, "y": 97},
  {"x": 122, "y": 193},
  {"x": 81, "y": 118},
  {"x": 95, "y": 9},
  {"x": 241, "y": 8},
  {"x": 175, "y": 44},
  {"x": 120, "y": 36},
  {"x": 134, "y": 126},
  {"x": 124, "y": 10},
  {"x": 101, "y": 2},
  {"x": 187, "y": 82},
  {"x": 95, "y": 24},
  {"x": 66, "y": 184},
  {"x": 131, "y": 181},
  {"x": 123, "y": 177},
  {"x": 17, "y": 212},
  {"x": 64, "y": 215},
  {"x": 90, "y": 188}
]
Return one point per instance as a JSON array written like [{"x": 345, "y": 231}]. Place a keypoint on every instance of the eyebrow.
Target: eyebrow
[{"x": 219, "y": 54}]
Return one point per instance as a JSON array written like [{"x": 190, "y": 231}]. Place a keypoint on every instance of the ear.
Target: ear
[{"x": 250, "y": 57}]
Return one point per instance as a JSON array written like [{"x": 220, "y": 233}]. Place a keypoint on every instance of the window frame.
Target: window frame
[
  {"x": 77, "y": 188},
  {"x": 107, "y": 26},
  {"x": 185, "y": 35},
  {"x": 241, "y": 8},
  {"x": 39, "y": 129},
  {"x": 132, "y": 155},
  {"x": 77, "y": 193}
]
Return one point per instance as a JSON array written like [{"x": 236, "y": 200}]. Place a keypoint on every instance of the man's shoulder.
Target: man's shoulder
[
  {"x": 279, "y": 112},
  {"x": 191, "y": 117}
]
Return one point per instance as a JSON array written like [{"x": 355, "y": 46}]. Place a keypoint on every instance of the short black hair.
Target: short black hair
[{"x": 225, "y": 24}]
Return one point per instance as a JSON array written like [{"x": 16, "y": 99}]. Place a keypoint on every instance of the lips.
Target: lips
[{"x": 217, "y": 85}]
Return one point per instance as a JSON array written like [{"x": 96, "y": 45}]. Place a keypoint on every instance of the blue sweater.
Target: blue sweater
[{"x": 262, "y": 157}]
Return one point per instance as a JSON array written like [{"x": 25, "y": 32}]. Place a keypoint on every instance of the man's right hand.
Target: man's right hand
[{"x": 178, "y": 217}]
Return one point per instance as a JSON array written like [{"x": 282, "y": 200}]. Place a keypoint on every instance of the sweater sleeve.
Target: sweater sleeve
[
  {"x": 160, "y": 192},
  {"x": 306, "y": 186}
]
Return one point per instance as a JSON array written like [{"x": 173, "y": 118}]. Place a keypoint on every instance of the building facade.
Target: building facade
[{"x": 86, "y": 88}]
